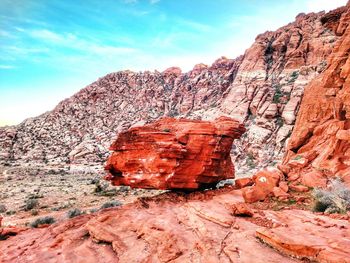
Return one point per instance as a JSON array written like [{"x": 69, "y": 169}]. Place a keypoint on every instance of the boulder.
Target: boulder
[
  {"x": 264, "y": 183},
  {"x": 174, "y": 154}
]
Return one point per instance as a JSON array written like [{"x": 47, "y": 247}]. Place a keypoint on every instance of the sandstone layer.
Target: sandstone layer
[
  {"x": 174, "y": 154},
  {"x": 200, "y": 227},
  {"x": 261, "y": 88},
  {"x": 319, "y": 147}
]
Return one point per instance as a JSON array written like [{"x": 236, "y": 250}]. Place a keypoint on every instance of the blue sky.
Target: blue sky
[{"x": 50, "y": 49}]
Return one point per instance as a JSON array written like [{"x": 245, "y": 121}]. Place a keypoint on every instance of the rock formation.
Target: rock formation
[
  {"x": 174, "y": 154},
  {"x": 262, "y": 88},
  {"x": 200, "y": 227},
  {"x": 319, "y": 147}
]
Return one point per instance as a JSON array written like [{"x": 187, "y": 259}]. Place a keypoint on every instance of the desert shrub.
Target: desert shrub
[
  {"x": 334, "y": 199},
  {"x": 111, "y": 204},
  {"x": 30, "y": 204},
  {"x": 47, "y": 220},
  {"x": 74, "y": 212},
  {"x": 250, "y": 161}
]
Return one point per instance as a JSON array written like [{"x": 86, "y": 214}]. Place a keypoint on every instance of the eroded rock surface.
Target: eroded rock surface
[
  {"x": 200, "y": 227},
  {"x": 320, "y": 143},
  {"x": 263, "y": 88},
  {"x": 174, "y": 154}
]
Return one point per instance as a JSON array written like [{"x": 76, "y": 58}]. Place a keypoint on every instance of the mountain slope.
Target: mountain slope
[
  {"x": 262, "y": 88},
  {"x": 320, "y": 143}
]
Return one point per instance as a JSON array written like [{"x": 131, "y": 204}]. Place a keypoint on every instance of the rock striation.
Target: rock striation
[
  {"x": 319, "y": 147},
  {"x": 174, "y": 154},
  {"x": 262, "y": 88},
  {"x": 210, "y": 226}
]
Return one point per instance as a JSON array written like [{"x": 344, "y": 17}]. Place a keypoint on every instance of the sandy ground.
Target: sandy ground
[{"x": 57, "y": 191}]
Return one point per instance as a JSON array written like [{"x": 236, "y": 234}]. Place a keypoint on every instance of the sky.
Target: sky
[{"x": 50, "y": 49}]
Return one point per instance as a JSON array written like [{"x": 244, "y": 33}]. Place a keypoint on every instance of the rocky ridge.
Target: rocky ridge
[
  {"x": 263, "y": 88},
  {"x": 319, "y": 147}
]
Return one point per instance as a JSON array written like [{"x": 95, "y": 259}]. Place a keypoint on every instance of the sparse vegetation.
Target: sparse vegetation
[
  {"x": 74, "y": 212},
  {"x": 111, "y": 204},
  {"x": 334, "y": 199},
  {"x": 278, "y": 94},
  {"x": 30, "y": 204},
  {"x": 47, "y": 220},
  {"x": 293, "y": 76},
  {"x": 250, "y": 161}
]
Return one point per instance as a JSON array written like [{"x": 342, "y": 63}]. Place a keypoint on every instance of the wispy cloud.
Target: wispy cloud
[
  {"x": 25, "y": 51},
  {"x": 195, "y": 25},
  {"x": 7, "y": 67},
  {"x": 69, "y": 40},
  {"x": 4, "y": 33}
]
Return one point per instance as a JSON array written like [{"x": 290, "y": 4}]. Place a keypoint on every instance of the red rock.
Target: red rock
[
  {"x": 313, "y": 237},
  {"x": 279, "y": 193},
  {"x": 241, "y": 209},
  {"x": 243, "y": 182},
  {"x": 284, "y": 186},
  {"x": 264, "y": 182},
  {"x": 174, "y": 154},
  {"x": 165, "y": 228},
  {"x": 253, "y": 194},
  {"x": 322, "y": 127},
  {"x": 313, "y": 179},
  {"x": 298, "y": 188},
  {"x": 175, "y": 228}
]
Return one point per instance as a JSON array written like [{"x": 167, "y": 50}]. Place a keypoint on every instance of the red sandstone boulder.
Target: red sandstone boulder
[
  {"x": 243, "y": 182},
  {"x": 313, "y": 179},
  {"x": 242, "y": 209},
  {"x": 174, "y": 154},
  {"x": 264, "y": 183}
]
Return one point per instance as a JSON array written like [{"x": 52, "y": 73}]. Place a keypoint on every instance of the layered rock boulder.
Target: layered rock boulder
[
  {"x": 174, "y": 154},
  {"x": 319, "y": 147}
]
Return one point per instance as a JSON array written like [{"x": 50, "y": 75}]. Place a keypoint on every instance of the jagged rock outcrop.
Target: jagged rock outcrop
[
  {"x": 319, "y": 147},
  {"x": 174, "y": 154},
  {"x": 200, "y": 227},
  {"x": 263, "y": 88}
]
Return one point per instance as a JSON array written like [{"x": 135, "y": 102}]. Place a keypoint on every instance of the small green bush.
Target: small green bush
[
  {"x": 30, "y": 204},
  {"x": 47, "y": 220},
  {"x": 74, "y": 212},
  {"x": 111, "y": 204}
]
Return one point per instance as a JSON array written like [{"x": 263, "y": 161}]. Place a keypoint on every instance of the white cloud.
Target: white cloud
[
  {"x": 7, "y": 67},
  {"x": 46, "y": 35},
  {"x": 195, "y": 25},
  {"x": 70, "y": 40}
]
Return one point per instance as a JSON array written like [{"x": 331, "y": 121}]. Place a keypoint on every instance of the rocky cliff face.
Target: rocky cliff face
[
  {"x": 262, "y": 88},
  {"x": 320, "y": 143}
]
